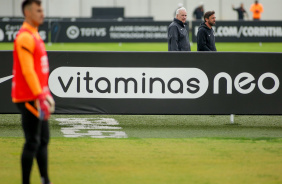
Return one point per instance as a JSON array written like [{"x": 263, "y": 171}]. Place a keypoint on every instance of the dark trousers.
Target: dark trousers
[{"x": 36, "y": 135}]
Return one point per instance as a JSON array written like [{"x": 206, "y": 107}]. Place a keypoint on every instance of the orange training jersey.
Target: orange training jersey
[
  {"x": 257, "y": 10},
  {"x": 30, "y": 67}
]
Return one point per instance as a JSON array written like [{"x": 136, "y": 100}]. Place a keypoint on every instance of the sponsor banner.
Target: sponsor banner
[
  {"x": 244, "y": 31},
  {"x": 148, "y": 83},
  {"x": 158, "y": 82},
  {"x": 9, "y": 31},
  {"x": 109, "y": 31}
]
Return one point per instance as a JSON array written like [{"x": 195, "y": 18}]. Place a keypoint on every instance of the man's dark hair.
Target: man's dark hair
[
  {"x": 29, "y": 2},
  {"x": 208, "y": 14}
]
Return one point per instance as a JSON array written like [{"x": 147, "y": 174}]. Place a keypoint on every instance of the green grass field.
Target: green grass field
[
  {"x": 224, "y": 47},
  {"x": 153, "y": 149},
  {"x": 158, "y": 149}
]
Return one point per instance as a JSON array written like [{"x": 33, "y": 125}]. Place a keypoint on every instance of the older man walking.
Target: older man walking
[{"x": 178, "y": 39}]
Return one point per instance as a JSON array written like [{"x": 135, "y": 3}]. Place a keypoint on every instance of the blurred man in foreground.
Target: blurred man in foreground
[
  {"x": 205, "y": 36},
  {"x": 178, "y": 39},
  {"x": 30, "y": 90}
]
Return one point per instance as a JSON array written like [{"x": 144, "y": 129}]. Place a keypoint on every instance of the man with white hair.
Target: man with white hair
[
  {"x": 178, "y": 39},
  {"x": 180, "y": 5}
]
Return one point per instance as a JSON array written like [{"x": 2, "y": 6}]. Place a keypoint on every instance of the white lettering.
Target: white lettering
[
  {"x": 276, "y": 83},
  {"x": 238, "y": 85},
  {"x": 107, "y": 82},
  {"x": 228, "y": 82},
  {"x": 91, "y": 127}
]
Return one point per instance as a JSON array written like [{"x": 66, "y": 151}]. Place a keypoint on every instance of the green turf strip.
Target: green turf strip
[
  {"x": 214, "y": 151},
  {"x": 230, "y": 47},
  {"x": 127, "y": 161},
  {"x": 168, "y": 126}
]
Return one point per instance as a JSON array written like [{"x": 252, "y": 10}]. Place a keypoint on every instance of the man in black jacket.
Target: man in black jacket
[
  {"x": 205, "y": 36},
  {"x": 241, "y": 11},
  {"x": 199, "y": 12},
  {"x": 178, "y": 39}
]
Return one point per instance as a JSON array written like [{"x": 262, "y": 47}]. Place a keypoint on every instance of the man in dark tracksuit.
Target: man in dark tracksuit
[
  {"x": 178, "y": 39},
  {"x": 241, "y": 11},
  {"x": 205, "y": 36},
  {"x": 199, "y": 12}
]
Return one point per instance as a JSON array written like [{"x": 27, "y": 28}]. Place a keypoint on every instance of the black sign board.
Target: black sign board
[
  {"x": 9, "y": 30},
  {"x": 109, "y": 31},
  {"x": 244, "y": 31},
  {"x": 158, "y": 82}
]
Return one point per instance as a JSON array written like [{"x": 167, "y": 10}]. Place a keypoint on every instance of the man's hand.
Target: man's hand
[{"x": 43, "y": 107}]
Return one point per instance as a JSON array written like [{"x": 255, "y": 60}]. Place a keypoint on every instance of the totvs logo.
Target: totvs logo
[
  {"x": 106, "y": 82},
  {"x": 73, "y": 32}
]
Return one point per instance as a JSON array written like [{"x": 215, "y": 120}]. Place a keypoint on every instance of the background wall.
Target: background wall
[{"x": 160, "y": 10}]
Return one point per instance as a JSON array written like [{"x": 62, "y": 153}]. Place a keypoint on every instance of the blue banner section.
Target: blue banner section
[{"x": 158, "y": 82}]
